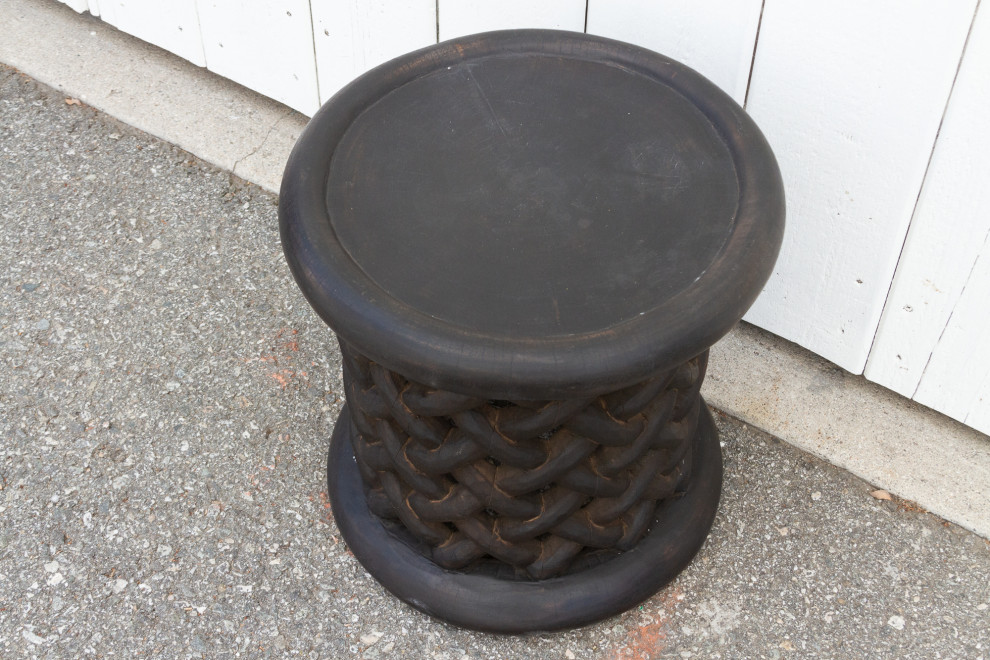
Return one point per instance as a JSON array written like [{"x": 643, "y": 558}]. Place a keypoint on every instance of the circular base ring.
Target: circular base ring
[{"x": 490, "y": 604}]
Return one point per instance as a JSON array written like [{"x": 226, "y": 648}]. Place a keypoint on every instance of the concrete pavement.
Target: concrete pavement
[
  {"x": 762, "y": 379},
  {"x": 166, "y": 406}
]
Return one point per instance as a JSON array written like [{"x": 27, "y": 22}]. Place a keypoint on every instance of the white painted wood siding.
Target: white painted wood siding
[
  {"x": 460, "y": 17},
  {"x": 932, "y": 342},
  {"x": 957, "y": 378},
  {"x": 266, "y": 45},
  {"x": 850, "y": 95},
  {"x": 353, "y": 36},
  {"x": 172, "y": 25},
  {"x": 714, "y": 37},
  {"x": 79, "y": 6}
]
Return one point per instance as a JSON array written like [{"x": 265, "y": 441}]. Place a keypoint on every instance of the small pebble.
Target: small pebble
[
  {"x": 896, "y": 622},
  {"x": 371, "y": 638},
  {"x": 43, "y": 324},
  {"x": 31, "y": 637}
]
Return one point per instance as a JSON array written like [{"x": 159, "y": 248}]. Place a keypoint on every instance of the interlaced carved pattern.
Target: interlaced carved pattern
[{"x": 530, "y": 483}]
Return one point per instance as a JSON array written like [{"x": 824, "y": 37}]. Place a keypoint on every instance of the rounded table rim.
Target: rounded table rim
[{"x": 447, "y": 356}]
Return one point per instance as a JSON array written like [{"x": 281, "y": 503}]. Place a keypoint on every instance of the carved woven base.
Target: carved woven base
[{"x": 535, "y": 485}]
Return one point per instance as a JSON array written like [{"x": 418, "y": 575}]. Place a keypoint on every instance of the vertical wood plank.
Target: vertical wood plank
[
  {"x": 850, "y": 95},
  {"x": 957, "y": 379},
  {"x": 266, "y": 45},
  {"x": 950, "y": 225},
  {"x": 460, "y": 17},
  {"x": 978, "y": 415},
  {"x": 173, "y": 26},
  {"x": 714, "y": 37},
  {"x": 954, "y": 214},
  {"x": 76, "y": 5},
  {"x": 353, "y": 36}
]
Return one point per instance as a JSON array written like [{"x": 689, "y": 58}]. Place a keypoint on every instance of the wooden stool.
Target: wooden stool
[{"x": 526, "y": 242}]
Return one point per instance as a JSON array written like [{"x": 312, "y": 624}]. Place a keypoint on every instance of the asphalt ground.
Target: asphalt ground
[{"x": 166, "y": 402}]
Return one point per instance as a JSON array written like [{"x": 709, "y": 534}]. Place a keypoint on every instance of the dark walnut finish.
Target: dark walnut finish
[
  {"x": 527, "y": 241},
  {"x": 535, "y": 485}
]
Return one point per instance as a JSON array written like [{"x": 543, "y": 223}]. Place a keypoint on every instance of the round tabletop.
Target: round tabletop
[{"x": 531, "y": 214}]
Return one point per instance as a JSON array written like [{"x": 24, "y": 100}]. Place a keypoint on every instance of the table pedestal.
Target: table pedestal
[{"x": 514, "y": 516}]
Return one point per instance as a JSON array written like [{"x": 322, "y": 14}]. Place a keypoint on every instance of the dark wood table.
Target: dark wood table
[{"x": 526, "y": 242}]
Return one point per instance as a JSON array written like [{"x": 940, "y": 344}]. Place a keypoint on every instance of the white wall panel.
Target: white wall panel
[
  {"x": 266, "y": 45},
  {"x": 714, "y": 37},
  {"x": 92, "y": 6},
  {"x": 76, "y": 5},
  {"x": 353, "y": 36},
  {"x": 957, "y": 378},
  {"x": 460, "y": 17},
  {"x": 850, "y": 95},
  {"x": 171, "y": 25},
  {"x": 978, "y": 415},
  {"x": 949, "y": 228}
]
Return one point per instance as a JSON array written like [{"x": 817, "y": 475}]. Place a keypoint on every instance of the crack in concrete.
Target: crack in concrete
[{"x": 264, "y": 141}]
